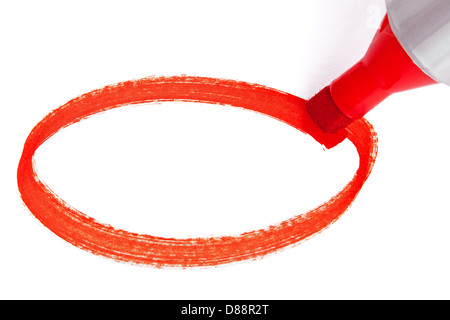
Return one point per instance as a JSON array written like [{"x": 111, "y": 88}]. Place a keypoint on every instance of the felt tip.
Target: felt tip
[{"x": 325, "y": 113}]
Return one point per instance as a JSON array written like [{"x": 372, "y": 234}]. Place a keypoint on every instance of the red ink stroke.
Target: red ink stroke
[{"x": 102, "y": 239}]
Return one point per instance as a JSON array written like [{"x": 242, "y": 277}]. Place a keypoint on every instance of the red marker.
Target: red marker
[{"x": 410, "y": 50}]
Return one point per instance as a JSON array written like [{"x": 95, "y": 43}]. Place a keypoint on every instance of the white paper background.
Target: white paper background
[{"x": 216, "y": 170}]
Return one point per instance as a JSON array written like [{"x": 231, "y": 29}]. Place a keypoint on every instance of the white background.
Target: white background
[{"x": 216, "y": 170}]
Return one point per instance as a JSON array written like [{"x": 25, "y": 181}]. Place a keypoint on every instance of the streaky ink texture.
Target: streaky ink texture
[{"x": 103, "y": 239}]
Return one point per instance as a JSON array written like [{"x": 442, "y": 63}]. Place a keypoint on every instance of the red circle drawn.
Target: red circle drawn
[{"x": 102, "y": 239}]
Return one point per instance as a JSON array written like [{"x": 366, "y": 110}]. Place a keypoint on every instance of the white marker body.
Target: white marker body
[{"x": 423, "y": 29}]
